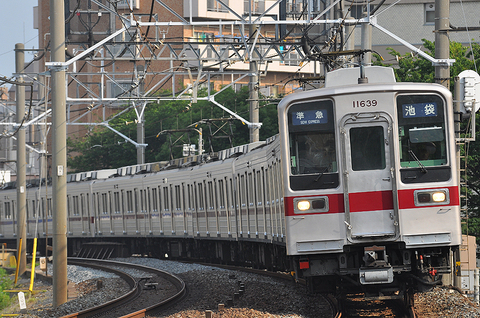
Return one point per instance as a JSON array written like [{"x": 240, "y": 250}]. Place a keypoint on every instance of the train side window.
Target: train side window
[
  {"x": 165, "y": 199},
  {"x": 82, "y": 204},
  {"x": 259, "y": 187},
  {"x": 43, "y": 207},
  {"x": 154, "y": 200},
  {"x": 75, "y": 205},
  {"x": 49, "y": 206},
  {"x": 243, "y": 200},
  {"x": 129, "y": 201},
  {"x": 421, "y": 130},
  {"x": 34, "y": 209},
  {"x": 200, "y": 196},
  {"x": 251, "y": 188},
  {"x": 221, "y": 194},
  {"x": 367, "y": 145},
  {"x": 116, "y": 202},
  {"x": 69, "y": 209},
  {"x": 189, "y": 198},
  {"x": 104, "y": 203},
  {"x": 27, "y": 211},
  {"x": 178, "y": 205},
  {"x": 149, "y": 200},
  {"x": 135, "y": 201},
  {"x": 8, "y": 211}
]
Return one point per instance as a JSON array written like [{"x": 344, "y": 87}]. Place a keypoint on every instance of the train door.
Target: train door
[{"x": 368, "y": 181}]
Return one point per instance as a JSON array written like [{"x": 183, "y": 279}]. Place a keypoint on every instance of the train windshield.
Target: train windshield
[
  {"x": 312, "y": 138},
  {"x": 421, "y": 124}
]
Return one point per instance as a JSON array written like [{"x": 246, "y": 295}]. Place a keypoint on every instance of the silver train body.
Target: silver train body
[{"x": 359, "y": 188}]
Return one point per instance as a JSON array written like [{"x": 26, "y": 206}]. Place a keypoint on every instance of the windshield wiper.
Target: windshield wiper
[
  {"x": 321, "y": 174},
  {"x": 422, "y": 167}
]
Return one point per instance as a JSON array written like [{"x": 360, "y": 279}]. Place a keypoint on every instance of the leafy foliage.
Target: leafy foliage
[
  {"x": 5, "y": 284},
  {"x": 102, "y": 148}
]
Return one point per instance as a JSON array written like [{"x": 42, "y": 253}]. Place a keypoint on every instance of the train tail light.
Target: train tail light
[{"x": 304, "y": 264}]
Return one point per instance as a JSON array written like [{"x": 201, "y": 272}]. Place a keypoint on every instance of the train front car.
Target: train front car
[{"x": 371, "y": 190}]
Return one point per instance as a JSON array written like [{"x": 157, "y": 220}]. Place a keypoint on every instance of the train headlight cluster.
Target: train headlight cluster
[
  {"x": 310, "y": 205},
  {"x": 432, "y": 197}
]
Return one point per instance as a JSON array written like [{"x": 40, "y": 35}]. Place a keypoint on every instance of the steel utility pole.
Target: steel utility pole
[
  {"x": 59, "y": 171},
  {"x": 21, "y": 162},
  {"x": 442, "y": 43}
]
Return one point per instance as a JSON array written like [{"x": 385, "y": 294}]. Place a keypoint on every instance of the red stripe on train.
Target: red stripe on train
[
  {"x": 374, "y": 201},
  {"x": 371, "y": 201}
]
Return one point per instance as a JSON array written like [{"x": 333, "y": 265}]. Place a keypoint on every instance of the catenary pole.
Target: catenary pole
[
  {"x": 59, "y": 189},
  {"x": 442, "y": 43},
  {"x": 254, "y": 87},
  {"x": 21, "y": 162}
]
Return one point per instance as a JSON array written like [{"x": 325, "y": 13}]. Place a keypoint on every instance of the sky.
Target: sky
[{"x": 17, "y": 22}]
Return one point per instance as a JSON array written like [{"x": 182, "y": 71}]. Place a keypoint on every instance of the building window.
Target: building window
[
  {"x": 429, "y": 13},
  {"x": 215, "y": 6},
  {"x": 359, "y": 11},
  {"x": 257, "y": 6},
  {"x": 125, "y": 4}
]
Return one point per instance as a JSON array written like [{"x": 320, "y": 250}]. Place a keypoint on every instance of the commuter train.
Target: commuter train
[{"x": 359, "y": 189}]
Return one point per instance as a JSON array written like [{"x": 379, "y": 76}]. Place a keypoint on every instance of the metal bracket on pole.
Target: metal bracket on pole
[
  {"x": 435, "y": 62},
  {"x": 64, "y": 65},
  {"x": 123, "y": 136},
  {"x": 249, "y": 124}
]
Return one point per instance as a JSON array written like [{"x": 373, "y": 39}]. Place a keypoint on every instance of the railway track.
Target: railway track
[
  {"x": 356, "y": 306},
  {"x": 332, "y": 308},
  {"x": 155, "y": 290}
]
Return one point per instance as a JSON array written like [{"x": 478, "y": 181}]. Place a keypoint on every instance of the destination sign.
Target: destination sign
[
  {"x": 419, "y": 110},
  {"x": 310, "y": 117}
]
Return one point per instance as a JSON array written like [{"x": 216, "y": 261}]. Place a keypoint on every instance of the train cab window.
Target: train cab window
[
  {"x": 367, "y": 145},
  {"x": 313, "y": 161},
  {"x": 422, "y": 142}
]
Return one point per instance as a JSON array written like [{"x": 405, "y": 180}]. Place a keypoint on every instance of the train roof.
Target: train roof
[{"x": 350, "y": 76}]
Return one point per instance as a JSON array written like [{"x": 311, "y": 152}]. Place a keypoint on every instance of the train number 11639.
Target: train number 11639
[{"x": 365, "y": 103}]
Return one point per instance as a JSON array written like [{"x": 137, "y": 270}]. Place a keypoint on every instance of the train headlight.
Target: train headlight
[
  {"x": 439, "y": 196},
  {"x": 432, "y": 197},
  {"x": 310, "y": 205},
  {"x": 303, "y": 205}
]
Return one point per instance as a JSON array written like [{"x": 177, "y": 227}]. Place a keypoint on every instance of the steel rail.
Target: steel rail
[{"x": 106, "y": 265}]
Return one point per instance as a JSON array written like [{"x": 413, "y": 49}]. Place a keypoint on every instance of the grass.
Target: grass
[{"x": 5, "y": 284}]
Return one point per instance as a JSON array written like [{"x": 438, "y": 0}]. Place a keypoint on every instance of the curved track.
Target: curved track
[{"x": 105, "y": 309}]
